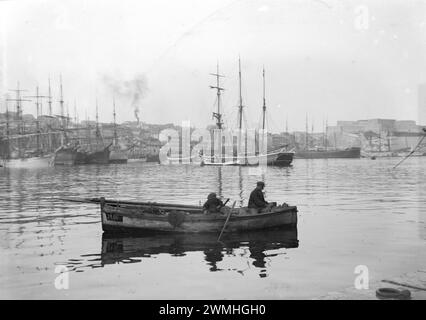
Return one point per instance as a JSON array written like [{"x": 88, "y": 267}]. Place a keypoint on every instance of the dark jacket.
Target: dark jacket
[
  {"x": 212, "y": 204},
  {"x": 256, "y": 199}
]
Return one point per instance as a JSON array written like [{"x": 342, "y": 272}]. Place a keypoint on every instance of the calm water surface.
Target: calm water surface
[{"x": 351, "y": 212}]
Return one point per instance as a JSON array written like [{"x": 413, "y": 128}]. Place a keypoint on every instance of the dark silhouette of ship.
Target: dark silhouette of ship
[
  {"x": 354, "y": 152},
  {"x": 90, "y": 153},
  {"x": 76, "y": 154}
]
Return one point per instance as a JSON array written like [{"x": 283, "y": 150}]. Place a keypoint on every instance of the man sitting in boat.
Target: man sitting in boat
[
  {"x": 213, "y": 204},
  {"x": 257, "y": 201}
]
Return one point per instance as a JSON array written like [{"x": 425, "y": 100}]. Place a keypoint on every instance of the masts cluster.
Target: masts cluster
[{"x": 219, "y": 116}]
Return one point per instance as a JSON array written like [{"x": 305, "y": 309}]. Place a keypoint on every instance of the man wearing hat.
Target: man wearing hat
[
  {"x": 257, "y": 200},
  {"x": 213, "y": 203}
]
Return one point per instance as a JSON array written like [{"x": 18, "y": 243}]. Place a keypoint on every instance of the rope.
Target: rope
[
  {"x": 404, "y": 285},
  {"x": 408, "y": 155}
]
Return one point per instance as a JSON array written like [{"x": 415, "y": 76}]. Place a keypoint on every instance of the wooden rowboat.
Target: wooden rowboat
[{"x": 127, "y": 216}]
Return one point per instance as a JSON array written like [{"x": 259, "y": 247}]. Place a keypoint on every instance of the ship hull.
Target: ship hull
[
  {"x": 98, "y": 157},
  {"x": 153, "y": 158},
  {"x": 282, "y": 159},
  {"x": 347, "y": 153},
  {"x": 65, "y": 156},
  {"x": 117, "y": 156},
  {"x": 32, "y": 162},
  {"x": 69, "y": 156}
]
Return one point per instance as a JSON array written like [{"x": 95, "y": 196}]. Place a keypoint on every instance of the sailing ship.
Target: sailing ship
[
  {"x": 68, "y": 153},
  {"x": 325, "y": 152},
  {"x": 117, "y": 155},
  {"x": 17, "y": 150},
  {"x": 89, "y": 153},
  {"x": 98, "y": 153},
  {"x": 277, "y": 157}
]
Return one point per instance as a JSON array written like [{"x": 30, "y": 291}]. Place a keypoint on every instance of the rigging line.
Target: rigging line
[
  {"x": 408, "y": 155},
  {"x": 189, "y": 31}
]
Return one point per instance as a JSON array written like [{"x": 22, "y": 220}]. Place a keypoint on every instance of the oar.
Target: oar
[
  {"x": 156, "y": 204},
  {"x": 222, "y": 205},
  {"x": 226, "y": 221}
]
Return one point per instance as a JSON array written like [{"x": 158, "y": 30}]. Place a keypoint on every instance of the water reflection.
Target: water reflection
[
  {"x": 357, "y": 204},
  {"x": 256, "y": 247}
]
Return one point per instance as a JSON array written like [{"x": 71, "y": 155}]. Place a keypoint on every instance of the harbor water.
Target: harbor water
[{"x": 352, "y": 212}]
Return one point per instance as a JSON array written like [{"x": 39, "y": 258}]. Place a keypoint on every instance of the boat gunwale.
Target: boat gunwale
[{"x": 193, "y": 216}]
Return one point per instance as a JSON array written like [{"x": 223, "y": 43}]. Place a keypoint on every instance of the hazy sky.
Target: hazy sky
[{"x": 342, "y": 60}]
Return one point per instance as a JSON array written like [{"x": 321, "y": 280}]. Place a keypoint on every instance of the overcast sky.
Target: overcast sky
[{"x": 331, "y": 59}]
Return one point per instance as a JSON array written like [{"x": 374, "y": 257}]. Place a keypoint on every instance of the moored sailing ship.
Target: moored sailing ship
[
  {"x": 274, "y": 157},
  {"x": 89, "y": 153},
  {"x": 117, "y": 155},
  {"x": 21, "y": 148},
  {"x": 324, "y": 151}
]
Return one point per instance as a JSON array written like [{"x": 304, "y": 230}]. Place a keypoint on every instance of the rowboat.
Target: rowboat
[{"x": 127, "y": 216}]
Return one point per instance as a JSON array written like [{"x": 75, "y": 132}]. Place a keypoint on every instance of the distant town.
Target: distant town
[{"x": 142, "y": 139}]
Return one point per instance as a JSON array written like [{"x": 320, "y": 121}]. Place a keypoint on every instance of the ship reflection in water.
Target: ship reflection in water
[{"x": 257, "y": 246}]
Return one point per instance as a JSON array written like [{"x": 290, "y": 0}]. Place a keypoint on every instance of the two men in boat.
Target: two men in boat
[{"x": 257, "y": 202}]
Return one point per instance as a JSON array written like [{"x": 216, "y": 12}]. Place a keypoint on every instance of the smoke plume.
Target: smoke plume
[{"x": 131, "y": 91}]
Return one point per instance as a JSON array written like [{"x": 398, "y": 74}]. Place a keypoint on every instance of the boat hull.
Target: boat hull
[
  {"x": 282, "y": 159},
  {"x": 348, "y": 153},
  {"x": 118, "y": 217},
  {"x": 117, "y": 155},
  {"x": 153, "y": 158},
  {"x": 98, "y": 157},
  {"x": 68, "y": 156},
  {"x": 32, "y": 162}
]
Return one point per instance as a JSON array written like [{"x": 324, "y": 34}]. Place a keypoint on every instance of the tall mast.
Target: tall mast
[
  {"x": 18, "y": 101},
  {"x": 89, "y": 140},
  {"x": 61, "y": 101},
  {"x": 217, "y": 114},
  {"x": 115, "y": 123},
  {"x": 7, "y": 155},
  {"x": 38, "y": 113},
  {"x": 38, "y": 103},
  {"x": 98, "y": 133},
  {"x": 286, "y": 125},
  {"x": 7, "y": 119},
  {"x": 19, "y": 118},
  {"x": 240, "y": 110},
  {"x": 264, "y": 101},
  {"x": 287, "y": 138},
  {"x": 326, "y": 133},
  {"x": 323, "y": 132},
  {"x": 37, "y": 120},
  {"x": 68, "y": 114},
  {"x": 50, "y": 99},
  {"x": 75, "y": 113},
  {"x": 306, "y": 132}
]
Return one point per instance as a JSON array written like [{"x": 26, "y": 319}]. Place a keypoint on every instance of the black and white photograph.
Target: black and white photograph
[{"x": 214, "y": 150}]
